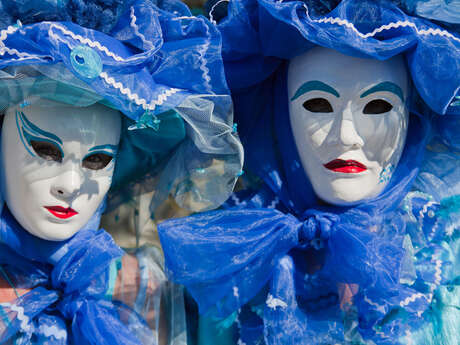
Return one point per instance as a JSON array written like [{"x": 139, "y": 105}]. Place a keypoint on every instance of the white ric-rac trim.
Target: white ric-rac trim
[
  {"x": 135, "y": 97},
  {"x": 389, "y": 26},
  {"x": 133, "y": 24}
]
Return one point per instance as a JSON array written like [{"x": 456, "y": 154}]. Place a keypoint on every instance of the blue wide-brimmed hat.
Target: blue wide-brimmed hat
[{"x": 152, "y": 61}]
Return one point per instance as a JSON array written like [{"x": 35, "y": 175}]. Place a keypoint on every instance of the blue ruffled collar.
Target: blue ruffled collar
[{"x": 67, "y": 281}]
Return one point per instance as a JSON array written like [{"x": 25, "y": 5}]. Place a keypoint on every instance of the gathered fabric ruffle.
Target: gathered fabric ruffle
[
  {"x": 68, "y": 282},
  {"x": 253, "y": 248}
]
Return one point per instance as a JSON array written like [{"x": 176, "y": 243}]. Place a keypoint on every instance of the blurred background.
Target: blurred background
[{"x": 195, "y": 5}]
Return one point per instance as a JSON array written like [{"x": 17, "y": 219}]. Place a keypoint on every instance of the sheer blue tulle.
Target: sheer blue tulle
[
  {"x": 280, "y": 260},
  {"x": 443, "y": 10},
  {"x": 68, "y": 282}
]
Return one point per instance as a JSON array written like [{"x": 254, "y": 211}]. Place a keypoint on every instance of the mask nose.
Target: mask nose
[
  {"x": 67, "y": 185},
  {"x": 348, "y": 134}
]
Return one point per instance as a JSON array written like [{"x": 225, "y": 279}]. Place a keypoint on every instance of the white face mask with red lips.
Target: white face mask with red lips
[
  {"x": 349, "y": 119},
  {"x": 58, "y": 161}
]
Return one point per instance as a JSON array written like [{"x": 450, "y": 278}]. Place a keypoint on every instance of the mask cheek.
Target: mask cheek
[
  {"x": 319, "y": 129},
  {"x": 94, "y": 187},
  {"x": 382, "y": 136},
  {"x": 37, "y": 169}
]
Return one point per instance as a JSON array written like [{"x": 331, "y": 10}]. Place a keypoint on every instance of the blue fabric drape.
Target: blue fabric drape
[
  {"x": 300, "y": 256},
  {"x": 68, "y": 282}
]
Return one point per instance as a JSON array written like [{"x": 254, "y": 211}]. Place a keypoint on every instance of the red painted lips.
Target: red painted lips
[
  {"x": 61, "y": 212},
  {"x": 349, "y": 166}
]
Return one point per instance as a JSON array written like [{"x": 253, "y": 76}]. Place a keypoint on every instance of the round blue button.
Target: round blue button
[{"x": 86, "y": 62}]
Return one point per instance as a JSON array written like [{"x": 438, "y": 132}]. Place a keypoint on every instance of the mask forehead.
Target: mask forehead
[
  {"x": 349, "y": 76},
  {"x": 94, "y": 125}
]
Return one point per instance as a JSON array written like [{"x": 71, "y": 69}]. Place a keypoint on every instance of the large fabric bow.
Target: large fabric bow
[
  {"x": 67, "y": 302},
  {"x": 225, "y": 258}
]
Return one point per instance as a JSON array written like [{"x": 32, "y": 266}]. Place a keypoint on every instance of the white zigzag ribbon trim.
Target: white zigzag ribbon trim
[
  {"x": 87, "y": 41},
  {"x": 393, "y": 25},
  {"x": 136, "y": 30},
  {"x": 412, "y": 299},
  {"x": 49, "y": 331},
  {"x": 135, "y": 97},
  {"x": 433, "y": 229},
  {"x": 379, "y": 307},
  {"x": 438, "y": 272},
  {"x": 8, "y": 31},
  {"x": 203, "y": 67},
  {"x": 4, "y": 49},
  {"x": 19, "y": 315},
  {"x": 423, "y": 211}
]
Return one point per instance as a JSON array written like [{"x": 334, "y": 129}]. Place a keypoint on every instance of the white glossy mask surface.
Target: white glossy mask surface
[
  {"x": 58, "y": 162},
  {"x": 349, "y": 119}
]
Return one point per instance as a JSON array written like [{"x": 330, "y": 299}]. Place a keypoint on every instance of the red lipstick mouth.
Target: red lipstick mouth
[
  {"x": 349, "y": 166},
  {"x": 61, "y": 212}
]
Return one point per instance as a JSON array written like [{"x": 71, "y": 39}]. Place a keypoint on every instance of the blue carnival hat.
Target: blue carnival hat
[
  {"x": 256, "y": 51},
  {"x": 366, "y": 29},
  {"x": 163, "y": 71},
  {"x": 265, "y": 244}
]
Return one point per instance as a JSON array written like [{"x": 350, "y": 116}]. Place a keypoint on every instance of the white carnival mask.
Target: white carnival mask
[
  {"x": 58, "y": 162},
  {"x": 349, "y": 119}
]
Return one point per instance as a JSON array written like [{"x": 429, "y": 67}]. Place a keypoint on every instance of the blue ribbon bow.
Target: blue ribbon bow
[{"x": 225, "y": 258}]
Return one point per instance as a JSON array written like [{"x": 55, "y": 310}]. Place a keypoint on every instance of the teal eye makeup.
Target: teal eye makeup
[
  {"x": 99, "y": 157},
  {"x": 38, "y": 142},
  {"x": 385, "y": 86},
  {"x": 312, "y": 86}
]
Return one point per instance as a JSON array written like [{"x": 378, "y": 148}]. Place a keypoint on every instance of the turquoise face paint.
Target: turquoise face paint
[
  {"x": 104, "y": 147},
  {"x": 108, "y": 149},
  {"x": 33, "y": 128},
  {"x": 314, "y": 85},
  {"x": 385, "y": 86},
  {"x": 28, "y": 132}
]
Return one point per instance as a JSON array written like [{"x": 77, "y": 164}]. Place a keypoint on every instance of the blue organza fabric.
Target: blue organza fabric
[
  {"x": 69, "y": 280},
  {"x": 279, "y": 264},
  {"x": 447, "y": 11},
  {"x": 161, "y": 68}
]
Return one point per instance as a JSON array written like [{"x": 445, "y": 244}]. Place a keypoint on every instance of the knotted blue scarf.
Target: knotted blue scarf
[
  {"x": 227, "y": 257},
  {"x": 68, "y": 281}
]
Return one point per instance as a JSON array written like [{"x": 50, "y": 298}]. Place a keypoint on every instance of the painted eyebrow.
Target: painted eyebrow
[
  {"x": 104, "y": 147},
  {"x": 36, "y": 129},
  {"x": 385, "y": 86},
  {"x": 314, "y": 85}
]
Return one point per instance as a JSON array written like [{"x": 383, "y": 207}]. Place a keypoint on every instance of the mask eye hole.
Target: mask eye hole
[
  {"x": 96, "y": 161},
  {"x": 46, "y": 150},
  {"x": 377, "y": 106},
  {"x": 318, "y": 105}
]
